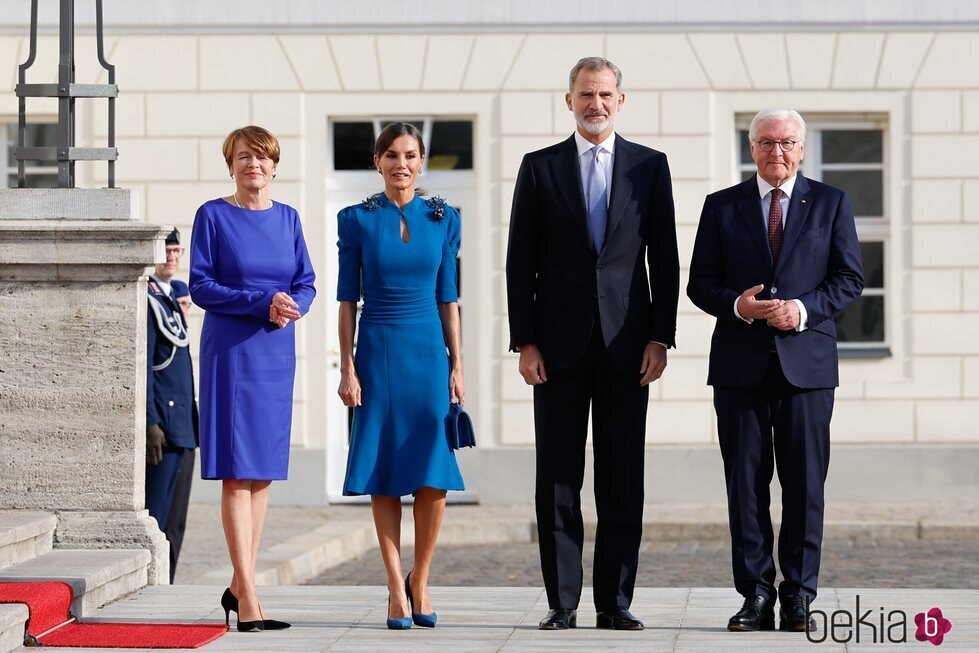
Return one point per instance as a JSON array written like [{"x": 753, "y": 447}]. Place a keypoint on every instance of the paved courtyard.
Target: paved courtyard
[
  {"x": 950, "y": 564},
  {"x": 489, "y": 619}
]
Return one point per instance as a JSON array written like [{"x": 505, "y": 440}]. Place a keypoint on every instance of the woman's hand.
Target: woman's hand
[
  {"x": 457, "y": 386},
  {"x": 283, "y": 306},
  {"x": 276, "y": 319},
  {"x": 349, "y": 388}
]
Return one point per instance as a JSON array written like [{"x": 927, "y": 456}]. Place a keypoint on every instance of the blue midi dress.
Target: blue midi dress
[
  {"x": 398, "y": 442},
  {"x": 239, "y": 259}
]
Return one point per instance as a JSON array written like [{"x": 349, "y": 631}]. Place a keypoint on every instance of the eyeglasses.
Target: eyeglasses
[
  {"x": 768, "y": 146},
  {"x": 175, "y": 251}
]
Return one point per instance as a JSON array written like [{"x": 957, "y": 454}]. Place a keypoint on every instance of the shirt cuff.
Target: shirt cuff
[
  {"x": 738, "y": 315},
  {"x": 803, "y": 316},
  {"x": 661, "y": 344}
]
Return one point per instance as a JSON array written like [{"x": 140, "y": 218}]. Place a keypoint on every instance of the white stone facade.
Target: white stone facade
[{"x": 181, "y": 92}]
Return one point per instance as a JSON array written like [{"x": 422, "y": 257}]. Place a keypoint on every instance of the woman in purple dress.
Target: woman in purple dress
[{"x": 251, "y": 273}]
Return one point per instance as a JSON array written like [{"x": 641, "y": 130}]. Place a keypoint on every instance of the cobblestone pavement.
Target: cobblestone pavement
[{"x": 950, "y": 564}]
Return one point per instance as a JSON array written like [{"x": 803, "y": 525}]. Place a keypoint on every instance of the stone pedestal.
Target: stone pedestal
[{"x": 73, "y": 365}]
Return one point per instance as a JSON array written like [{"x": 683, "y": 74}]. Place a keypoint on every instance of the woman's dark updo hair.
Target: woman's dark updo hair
[{"x": 393, "y": 132}]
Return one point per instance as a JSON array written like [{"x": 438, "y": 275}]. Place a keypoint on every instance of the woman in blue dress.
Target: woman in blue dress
[
  {"x": 251, "y": 273},
  {"x": 401, "y": 250}
]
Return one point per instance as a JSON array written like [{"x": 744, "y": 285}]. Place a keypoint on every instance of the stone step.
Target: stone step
[
  {"x": 97, "y": 576},
  {"x": 13, "y": 619},
  {"x": 25, "y": 534}
]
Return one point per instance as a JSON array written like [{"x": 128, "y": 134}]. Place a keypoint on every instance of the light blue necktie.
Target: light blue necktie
[{"x": 597, "y": 202}]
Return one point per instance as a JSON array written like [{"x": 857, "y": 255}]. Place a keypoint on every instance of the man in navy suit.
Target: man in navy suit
[
  {"x": 775, "y": 259},
  {"x": 171, "y": 410},
  {"x": 592, "y": 287}
]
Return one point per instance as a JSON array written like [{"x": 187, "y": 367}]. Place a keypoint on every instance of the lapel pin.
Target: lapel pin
[{"x": 803, "y": 201}]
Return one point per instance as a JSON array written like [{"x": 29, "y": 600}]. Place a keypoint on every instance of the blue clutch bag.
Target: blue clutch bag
[{"x": 460, "y": 432}]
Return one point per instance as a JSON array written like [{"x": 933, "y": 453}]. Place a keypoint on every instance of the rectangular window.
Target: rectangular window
[
  {"x": 40, "y": 174},
  {"x": 850, "y": 155},
  {"x": 448, "y": 142}
]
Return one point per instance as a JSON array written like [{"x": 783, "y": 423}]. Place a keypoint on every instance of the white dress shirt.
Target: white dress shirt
[{"x": 765, "y": 194}]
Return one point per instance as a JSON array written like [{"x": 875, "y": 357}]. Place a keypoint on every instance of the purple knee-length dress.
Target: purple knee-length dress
[{"x": 239, "y": 259}]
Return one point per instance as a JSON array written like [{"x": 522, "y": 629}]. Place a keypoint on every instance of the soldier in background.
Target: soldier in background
[{"x": 171, "y": 409}]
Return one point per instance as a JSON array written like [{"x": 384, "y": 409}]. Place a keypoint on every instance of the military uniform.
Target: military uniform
[{"x": 170, "y": 403}]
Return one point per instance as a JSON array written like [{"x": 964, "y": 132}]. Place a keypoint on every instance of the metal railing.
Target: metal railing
[{"x": 66, "y": 90}]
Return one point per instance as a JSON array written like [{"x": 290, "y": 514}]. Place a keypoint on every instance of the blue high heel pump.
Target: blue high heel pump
[
  {"x": 397, "y": 623},
  {"x": 424, "y": 620}
]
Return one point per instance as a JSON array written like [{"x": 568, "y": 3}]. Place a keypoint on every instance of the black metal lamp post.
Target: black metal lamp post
[{"x": 66, "y": 90}]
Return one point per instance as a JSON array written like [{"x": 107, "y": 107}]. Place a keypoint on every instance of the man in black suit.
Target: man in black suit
[
  {"x": 592, "y": 325},
  {"x": 773, "y": 358}
]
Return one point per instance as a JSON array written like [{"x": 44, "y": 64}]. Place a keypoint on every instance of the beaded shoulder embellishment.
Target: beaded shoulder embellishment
[
  {"x": 437, "y": 204},
  {"x": 372, "y": 202}
]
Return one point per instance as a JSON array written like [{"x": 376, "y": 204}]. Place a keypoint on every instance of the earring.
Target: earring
[
  {"x": 273, "y": 176},
  {"x": 232, "y": 176}
]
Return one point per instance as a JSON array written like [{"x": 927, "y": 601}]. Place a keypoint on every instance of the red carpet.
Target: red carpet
[{"x": 49, "y": 604}]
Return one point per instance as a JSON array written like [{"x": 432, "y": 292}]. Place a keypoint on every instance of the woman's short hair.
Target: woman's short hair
[
  {"x": 393, "y": 132},
  {"x": 257, "y": 138}
]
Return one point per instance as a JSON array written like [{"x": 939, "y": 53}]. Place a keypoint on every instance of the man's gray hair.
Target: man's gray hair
[
  {"x": 596, "y": 64},
  {"x": 777, "y": 115}
]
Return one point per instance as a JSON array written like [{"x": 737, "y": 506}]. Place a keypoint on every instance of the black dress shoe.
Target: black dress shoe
[
  {"x": 793, "y": 614},
  {"x": 618, "y": 619},
  {"x": 559, "y": 619},
  {"x": 757, "y": 613}
]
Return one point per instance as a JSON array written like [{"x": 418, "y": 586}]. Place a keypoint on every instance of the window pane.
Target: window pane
[
  {"x": 744, "y": 148},
  {"x": 452, "y": 145},
  {"x": 353, "y": 146},
  {"x": 873, "y": 263},
  {"x": 853, "y": 146},
  {"x": 863, "y": 321},
  {"x": 866, "y": 189},
  {"x": 38, "y": 135}
]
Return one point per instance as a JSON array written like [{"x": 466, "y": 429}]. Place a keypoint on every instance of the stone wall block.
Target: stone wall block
[
  {"x": 656, "y": 61},
  {"x": 356, "y": 60},
  {"x": 545, "y": 60},
  {"x": 764, "y": 56},
  {"x": 445, "y": 61},
  {"x": 952, "y": 62},
  {"x": 722, "y": 60},
  {"x": 154, "y": 63},
  {"x": 857, "y": 57},
  {"x": 245, "y": 63},
  {"x": 402, "y": 61},
  {"x": 490, "y": 60},
  {"x": 73, "y": 377},
  {"x": 901, "y": 59},
  {"x": 312, "y": 61},
  {"x": 810, "y": 58}
]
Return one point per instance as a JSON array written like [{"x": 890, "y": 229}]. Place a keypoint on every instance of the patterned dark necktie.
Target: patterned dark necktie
[{"x": 775, "y": 224}]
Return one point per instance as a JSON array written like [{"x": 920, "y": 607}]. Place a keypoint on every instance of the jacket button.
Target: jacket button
[
  {"x": 774, "y": 290},
  {"x": 170, "y": 403},
  {"x": 599, "y": 267}
]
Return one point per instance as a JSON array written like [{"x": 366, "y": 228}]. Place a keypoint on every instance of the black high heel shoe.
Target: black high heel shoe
[{"x": 230, "y": 604}]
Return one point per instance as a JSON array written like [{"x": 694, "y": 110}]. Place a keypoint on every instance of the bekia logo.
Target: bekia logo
[
  {"x": 878, "y": 626},
  {"x": 932, "y": 626}
]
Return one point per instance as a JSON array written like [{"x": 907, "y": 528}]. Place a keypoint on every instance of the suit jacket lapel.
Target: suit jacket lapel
[
  {"x": 754, "y": 220},
  {"x": 567, "y": 178},
  {"x": 799, "y": 205},
  {"x": 621, "y": 184}
]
